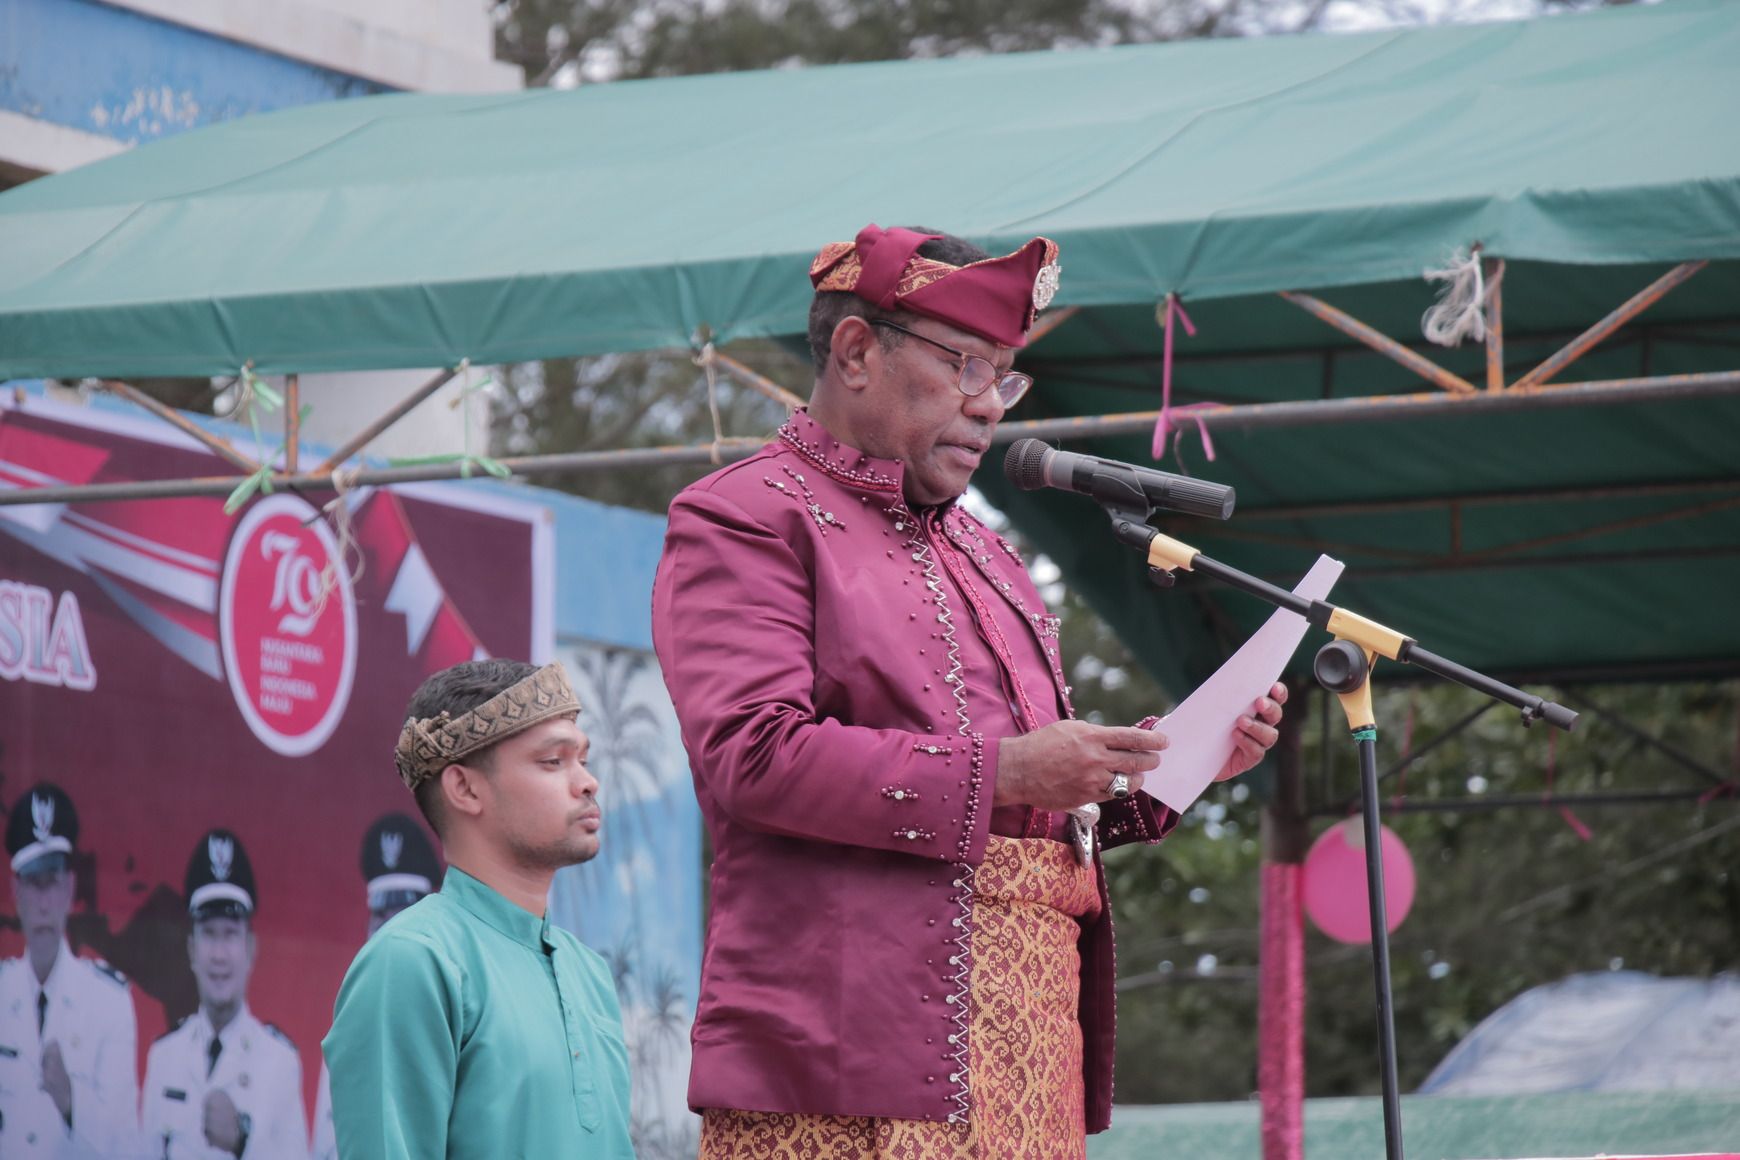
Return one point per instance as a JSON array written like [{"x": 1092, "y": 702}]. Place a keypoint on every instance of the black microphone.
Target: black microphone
[{"x": 1032, "y": 465}]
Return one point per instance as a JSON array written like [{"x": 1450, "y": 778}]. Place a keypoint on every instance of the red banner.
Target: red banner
[{"x": 176, "y": 670}]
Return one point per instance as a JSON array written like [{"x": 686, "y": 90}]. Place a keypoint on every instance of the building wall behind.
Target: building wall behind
[{"x": 80, "y": 80}]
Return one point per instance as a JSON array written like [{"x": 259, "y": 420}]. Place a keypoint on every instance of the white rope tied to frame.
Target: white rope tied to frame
[
  {"x": 708, "y": 361},
  {"x": 244, "y": 400},
  {"x": 1460, "y": 312},
  {"x": 344, "y": 481}
]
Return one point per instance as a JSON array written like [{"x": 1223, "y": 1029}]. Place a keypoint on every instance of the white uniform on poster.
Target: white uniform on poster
[
  {"x": 257, "y": 1067},
  {"x": 89, "y": 1013}
]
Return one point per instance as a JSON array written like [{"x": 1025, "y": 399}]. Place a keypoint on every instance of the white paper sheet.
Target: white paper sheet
[{"x": 1203, "y": 727}]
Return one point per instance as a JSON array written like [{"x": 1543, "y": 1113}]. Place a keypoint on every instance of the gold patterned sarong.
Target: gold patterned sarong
[{"x": 1024, "y": 1042}]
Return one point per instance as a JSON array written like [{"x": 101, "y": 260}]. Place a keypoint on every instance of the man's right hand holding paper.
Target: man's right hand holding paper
[{"x": 1069, "y": 763}]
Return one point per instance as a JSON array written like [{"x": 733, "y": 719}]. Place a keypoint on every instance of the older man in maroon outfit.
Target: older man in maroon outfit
[{"x": 907, "y": 954}]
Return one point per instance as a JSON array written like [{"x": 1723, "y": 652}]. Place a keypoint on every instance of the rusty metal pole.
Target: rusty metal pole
[
  {"x": 1495, "y": 327},
  {"x": 755, "y": 380},
  {"x": 1281, "y": 968},
  {"x": 1380, "y": 342},
  {"x": 292, "y": 422},
  {"x": 398, "y": 411},
  {"x": 1243, "y": 417},
  {"x": 1589, "y": 339},
  {"x": 216, "y": 444}
]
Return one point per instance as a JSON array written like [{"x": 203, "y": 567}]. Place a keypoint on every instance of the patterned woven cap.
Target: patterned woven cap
[
  {"x": 996, "y": 298},
  {"x": 428, "y": 746}
]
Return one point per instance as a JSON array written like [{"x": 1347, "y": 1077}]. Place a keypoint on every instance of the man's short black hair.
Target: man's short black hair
[
  {"x": 457, "y": 691},
  {"x": 830, "y": 307}
]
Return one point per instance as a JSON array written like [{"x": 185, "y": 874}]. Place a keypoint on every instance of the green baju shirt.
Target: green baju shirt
[{"x": 469, "y": 1027}]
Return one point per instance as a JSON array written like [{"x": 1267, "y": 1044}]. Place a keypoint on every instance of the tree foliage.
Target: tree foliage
[
  {"x": 1507, "y": 899},
  {"x": 563, "y": 41}
]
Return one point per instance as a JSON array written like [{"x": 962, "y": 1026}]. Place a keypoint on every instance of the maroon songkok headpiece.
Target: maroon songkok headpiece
[{"x": 996, "y": 299}]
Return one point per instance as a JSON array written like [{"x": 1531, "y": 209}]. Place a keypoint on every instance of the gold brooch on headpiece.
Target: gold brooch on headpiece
[
  {"x": 1045, "y": 286},
  {"x": 428, "y": 746}
]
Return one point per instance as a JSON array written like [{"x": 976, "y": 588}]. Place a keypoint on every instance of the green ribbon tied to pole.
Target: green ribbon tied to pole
[
  {"x": 468, "y": 462},
  {"x": 256, "y": 390}
]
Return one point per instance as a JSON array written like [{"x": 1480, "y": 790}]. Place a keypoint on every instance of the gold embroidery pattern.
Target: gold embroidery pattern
[
  {"x": 831, "y": 253},
  {"x": 844, "y": 267},
  {"x": 1025, "y": 1042}
]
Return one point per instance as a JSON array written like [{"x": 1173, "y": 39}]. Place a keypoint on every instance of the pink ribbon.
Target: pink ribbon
[
  {"x": 1571, "y": 819},
  {"x": 1163, "y": 426}
]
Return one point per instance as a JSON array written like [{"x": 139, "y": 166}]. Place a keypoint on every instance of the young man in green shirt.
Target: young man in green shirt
[{"x": 469, "y": 1026}]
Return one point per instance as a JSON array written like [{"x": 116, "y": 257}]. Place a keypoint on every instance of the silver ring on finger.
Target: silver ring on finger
[{"x": 1120, "y": 787}]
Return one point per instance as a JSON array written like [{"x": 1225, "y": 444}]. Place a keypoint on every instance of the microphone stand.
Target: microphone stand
[{"x": 1343, "y": 666}]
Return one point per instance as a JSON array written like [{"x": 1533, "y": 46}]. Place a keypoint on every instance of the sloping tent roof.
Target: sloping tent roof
[
  {"x": 1601, "y": 1031},
  {"x": 1590, "y": 151}
]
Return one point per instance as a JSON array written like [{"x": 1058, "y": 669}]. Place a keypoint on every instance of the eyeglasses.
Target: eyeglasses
[{"x": 976, "y": 374}]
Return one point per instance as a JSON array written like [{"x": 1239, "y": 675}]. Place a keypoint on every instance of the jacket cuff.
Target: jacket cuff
[
  {"x": 981, "y": 788},
  {"x": 953, "y": 826},
  {"x": 1138, "y": 818}
]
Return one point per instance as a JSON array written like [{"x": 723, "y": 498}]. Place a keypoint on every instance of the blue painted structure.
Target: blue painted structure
[{"x": 116, "y": 73}]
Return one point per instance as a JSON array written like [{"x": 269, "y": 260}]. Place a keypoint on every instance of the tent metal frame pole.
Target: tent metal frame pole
[
  {"x": 730, "y": 450},
  {"x": 1380, "y": 342},
  {"x": 216, "y": 444},
  {"x": 1489, "y": 499},
  {"x": 1256, "y": 416},
  {"x": 1382, "y": 408},
  {"x": 757, "y": 381},
  {"x": 1593, "y": 337},
  {"x": 1495, "y": 326},
  {"x": 1697, "y": 333},
  {"x": 1050, "y": 321},
  {"x": 1679, "y": 757},
  {"x": 1579, "y": 346},
  {"x": 398, "y": 411},
  {"x": 1454, "y": 731},
  {"x": 1548, "y": 801},
  {"x": 1457, "y": 558},
  {"x": 292, "y": 423},
  {"x": 1441, "y": 565}
]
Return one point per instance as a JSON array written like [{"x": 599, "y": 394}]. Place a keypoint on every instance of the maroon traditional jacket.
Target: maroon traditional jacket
[{"x": 843, "y": 668}]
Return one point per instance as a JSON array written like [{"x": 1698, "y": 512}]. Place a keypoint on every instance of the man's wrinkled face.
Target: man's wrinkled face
[
  {"x": 221, "y": 951},
  {"x": 923, "y": 419},
  {"x": 45, "y": 898}
]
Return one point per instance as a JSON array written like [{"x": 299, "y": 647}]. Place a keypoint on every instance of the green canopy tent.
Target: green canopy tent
[
  {"x": 1522, "y": 523},
  {"x": 1590, "y": 152}
]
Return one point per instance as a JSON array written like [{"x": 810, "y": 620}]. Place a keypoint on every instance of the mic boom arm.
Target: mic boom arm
[{"x": 1166, "y": 554}]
